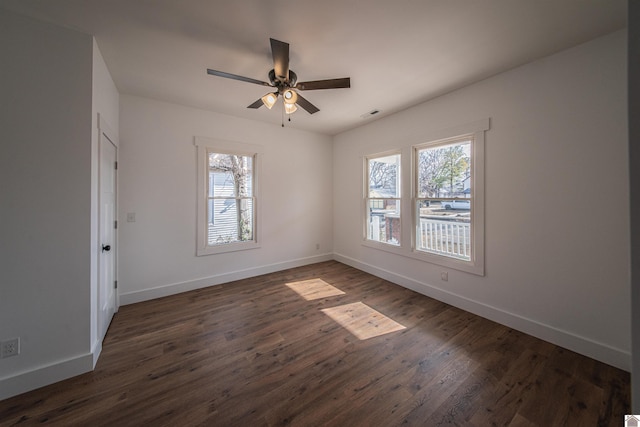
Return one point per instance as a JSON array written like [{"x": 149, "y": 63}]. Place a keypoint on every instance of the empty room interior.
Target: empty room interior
[{"x": 318, "y": 213}]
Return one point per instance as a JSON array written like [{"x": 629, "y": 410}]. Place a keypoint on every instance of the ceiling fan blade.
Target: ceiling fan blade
[
  {"x": 236, "y": 77},
  {"x": 307, "y": 105},
  {"x": 325, "y": 84},
  {"x": 256, "y": 104},
  {"x": 280, "y": 52}
]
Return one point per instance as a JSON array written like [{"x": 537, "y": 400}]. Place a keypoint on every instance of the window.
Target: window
[
  {"x": 382, "y": 199},
  {"x": 227, "y": 197},
  {"x": 443, "y": 198},
  {"x": 448, "y": 200},
  {"x": 445, "y": 204}
]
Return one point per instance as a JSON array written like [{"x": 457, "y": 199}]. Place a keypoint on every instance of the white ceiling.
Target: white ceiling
[{"x": 398, "y": 53}]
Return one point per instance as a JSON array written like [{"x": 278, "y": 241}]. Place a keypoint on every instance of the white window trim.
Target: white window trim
[
  {"x": 408, "y": 204},
  {"x": 203, "y": 145}
]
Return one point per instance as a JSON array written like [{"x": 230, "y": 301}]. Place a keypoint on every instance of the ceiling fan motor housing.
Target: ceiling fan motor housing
[{"x": 281, "y": 85}]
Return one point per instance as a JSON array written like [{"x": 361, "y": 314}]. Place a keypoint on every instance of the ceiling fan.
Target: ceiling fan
[{"x": 285, "y": 82}]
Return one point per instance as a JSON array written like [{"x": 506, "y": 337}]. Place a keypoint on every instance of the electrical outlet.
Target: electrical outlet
[
  {"x": 444, "y": 276},
  {"x": 10, "y": 348},
  {"x": 317, "y": 246}
]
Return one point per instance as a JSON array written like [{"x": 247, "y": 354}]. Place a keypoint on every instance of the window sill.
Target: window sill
[
  {"x": 476, "y": 267},
  {"x": 386, "y": 247}
]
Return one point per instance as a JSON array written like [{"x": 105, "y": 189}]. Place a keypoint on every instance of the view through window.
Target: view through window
[
  {"x": 383, "y": 199},
  {"x": 444, "y": 199},
  {"x": 230, "y": 208}
]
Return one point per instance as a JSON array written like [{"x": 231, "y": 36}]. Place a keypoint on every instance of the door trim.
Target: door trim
[{"x": 105, "y": 131}]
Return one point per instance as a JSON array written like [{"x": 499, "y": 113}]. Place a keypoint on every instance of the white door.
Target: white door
[{"x": 107, "y": 235}]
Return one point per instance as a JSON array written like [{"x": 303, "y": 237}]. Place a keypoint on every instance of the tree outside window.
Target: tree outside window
[{"x": 443, "y": 170}]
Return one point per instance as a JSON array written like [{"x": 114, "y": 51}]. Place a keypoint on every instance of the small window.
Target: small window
[
  {"x": 382, "y": 199},
  {"x": 229, "y": 199},
  {"x": 227, "y": 205}
]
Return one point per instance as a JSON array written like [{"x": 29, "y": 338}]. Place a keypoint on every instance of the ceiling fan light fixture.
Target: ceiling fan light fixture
[
  {"x": 290, "y": 96},
  {"x": 290, "y": 108},
  {"x": 269, "y": 99}
]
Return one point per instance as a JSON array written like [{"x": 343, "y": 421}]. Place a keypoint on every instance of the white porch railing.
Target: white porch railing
[{"x": 447, "y": 238}]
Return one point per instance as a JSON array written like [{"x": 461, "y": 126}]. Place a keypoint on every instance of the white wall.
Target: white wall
[
  {"x": 45, "y": 213},
  {"x": 557, "y": 221},
  {"x": 105, "y": 102},
  {"x": 158, "y": 183}
]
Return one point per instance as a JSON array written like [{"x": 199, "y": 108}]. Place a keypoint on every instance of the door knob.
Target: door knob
[{"x": 106, "y": 248}]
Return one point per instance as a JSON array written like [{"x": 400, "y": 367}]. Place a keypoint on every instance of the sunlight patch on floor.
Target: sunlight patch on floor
[
  {"x": 362, "y": 321},
  {"x": 314, "y": 289}
]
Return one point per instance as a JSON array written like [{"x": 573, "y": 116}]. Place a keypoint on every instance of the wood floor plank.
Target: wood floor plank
[{"x": 255, "y": 352}]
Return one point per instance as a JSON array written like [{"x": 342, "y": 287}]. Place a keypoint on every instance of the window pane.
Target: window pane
[
  {"x": 221, "y": 184},
  {"x": 229, "y": 220},
  {"x": 444, "y": 231},
  {"x": 445, "y": 171},
  {"x": 383, "y": 221},
  {"x": 384, "y": 176},
  {"x": 230, "y": 175}
]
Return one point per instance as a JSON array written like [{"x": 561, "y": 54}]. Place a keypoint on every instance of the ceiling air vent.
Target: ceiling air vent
[{"x": 370, "y": 113}]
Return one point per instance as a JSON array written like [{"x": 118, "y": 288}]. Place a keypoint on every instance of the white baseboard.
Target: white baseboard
[
  {"x": 40, "y": 377},
  {"x": 583, "y": 345},
  {"x": 176, "y": 288},
  {"x": 95, "y": 354}
]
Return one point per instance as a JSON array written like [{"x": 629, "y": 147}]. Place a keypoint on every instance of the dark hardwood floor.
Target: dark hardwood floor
[{"x": 257, "y": 352}]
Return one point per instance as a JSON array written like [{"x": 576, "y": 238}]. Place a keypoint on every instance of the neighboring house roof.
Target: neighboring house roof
[{"x": 382, "y": 192}]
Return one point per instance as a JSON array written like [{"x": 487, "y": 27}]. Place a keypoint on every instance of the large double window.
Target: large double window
[
  {"x": 440, "y": 218},
  {"x": 227, "y": 202}
]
